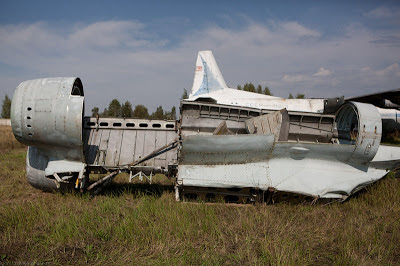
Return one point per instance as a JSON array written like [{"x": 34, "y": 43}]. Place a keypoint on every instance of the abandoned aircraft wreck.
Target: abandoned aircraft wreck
[{"x": 215, "y": 150}]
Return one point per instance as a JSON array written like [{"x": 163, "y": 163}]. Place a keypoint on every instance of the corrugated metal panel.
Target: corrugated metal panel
[{"x": 115, "y": 143}]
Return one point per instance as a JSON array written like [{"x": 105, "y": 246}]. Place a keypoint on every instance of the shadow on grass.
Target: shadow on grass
[{"x": 139, "y": 189}]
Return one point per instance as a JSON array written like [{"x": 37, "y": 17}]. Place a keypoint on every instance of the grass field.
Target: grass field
[{"x": 142, "y": 224}]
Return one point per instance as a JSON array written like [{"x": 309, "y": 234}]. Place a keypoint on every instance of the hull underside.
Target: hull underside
[{"x": 316, "y": 171}]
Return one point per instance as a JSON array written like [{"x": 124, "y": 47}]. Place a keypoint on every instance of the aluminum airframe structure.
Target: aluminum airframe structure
[
  {"x": 209, "y": 85},
  {"x": 240, "y": 153}
]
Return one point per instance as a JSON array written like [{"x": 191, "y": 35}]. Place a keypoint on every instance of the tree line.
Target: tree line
[
  {"x": 125, "y": 110},
  {"x": 266, "y": 91},
  {"x": 251, "y": 88},
  {"x": 116, "y": 109},
  {"x": 6, "y": 107}
]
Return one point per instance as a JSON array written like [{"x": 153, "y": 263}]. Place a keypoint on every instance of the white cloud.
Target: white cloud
[
  {"x": 392, "y": 70},
  {"x": 294, "y": 78},
  {"x": 122, "y": 59},
  {"x": 384, "y": 13},
  {"x": 108, "y": 34},
  {"x": 389, "y": 16},
  {"x": 322, "y": 72},
  {"x": 295, "y": 29}
]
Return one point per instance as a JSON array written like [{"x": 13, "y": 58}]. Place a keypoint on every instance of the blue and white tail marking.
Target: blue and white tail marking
[{"x": 207, "y": 76}]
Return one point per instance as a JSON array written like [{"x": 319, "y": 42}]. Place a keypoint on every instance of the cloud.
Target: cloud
[
  {"x": 294, "y": 78},
  {"x": 107, "y": 34},
  {"x": 322, "y": 72},
  {"x": 126, "y": 60},
  {"x": 388, "y": 40},
  {"x": 295, "y": 29},
  {"x": 384, "y": 13},
  {"x": 392, "y": 70}
]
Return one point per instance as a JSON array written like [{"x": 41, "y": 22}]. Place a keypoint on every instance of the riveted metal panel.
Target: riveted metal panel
[
  {"x": 128, "y": 148},
  {"x": 119, "y": 142},
  {"x": 114, "y": 147}
]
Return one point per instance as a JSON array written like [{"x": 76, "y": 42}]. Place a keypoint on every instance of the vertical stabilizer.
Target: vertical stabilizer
[{"x": 207, "y": 76}]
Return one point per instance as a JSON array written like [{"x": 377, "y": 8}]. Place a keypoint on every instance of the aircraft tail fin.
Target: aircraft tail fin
[{"x": 207, "y": 76}]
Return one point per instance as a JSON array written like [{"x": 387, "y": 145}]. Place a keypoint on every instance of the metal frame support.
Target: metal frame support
[{"x": 140, "y": 174}]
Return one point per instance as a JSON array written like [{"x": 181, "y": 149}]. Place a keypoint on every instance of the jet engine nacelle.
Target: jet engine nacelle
[
  {"x": 359, "y": 124},
  {"x": 46, "y": 115}
]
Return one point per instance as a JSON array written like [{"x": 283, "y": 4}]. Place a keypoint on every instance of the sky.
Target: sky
[{"x": 145, "y": 51}]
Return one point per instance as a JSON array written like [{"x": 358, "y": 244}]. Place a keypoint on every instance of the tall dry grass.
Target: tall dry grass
[
  {"x": 7, "y": 140},
  {"x": 143, "y": 224}
]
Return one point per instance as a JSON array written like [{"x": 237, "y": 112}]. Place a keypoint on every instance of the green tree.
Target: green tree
[
  {"x": 141, "y": 112},
  {"x": 290, "y": 96},
  {"x": 6, "y": 109},
  {"x": 267, "y": 91},
  {"x": 300, "y": 96},
  {"x": 249, "y": 87},
  {"x": 114, "y": 108},
  {"x": 185, "y": 94},
  {"x": 173, "y": 113},
  {"x": 170, "y": 115},
  {"x": 126, "y": 109},
  {"x": 158, "y": 114},
  {"x": 239, "y": 87},
  {"x": 95, "y": 111},
  {"x": 104, "y": 113},
  {"x": 259, "y": 89}
]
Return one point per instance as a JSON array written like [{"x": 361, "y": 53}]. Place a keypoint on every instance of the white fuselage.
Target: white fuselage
[{"x": 235, "y": 97}]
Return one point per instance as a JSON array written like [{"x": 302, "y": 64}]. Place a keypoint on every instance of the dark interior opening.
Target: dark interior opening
[{"x": 77, "y": 88}]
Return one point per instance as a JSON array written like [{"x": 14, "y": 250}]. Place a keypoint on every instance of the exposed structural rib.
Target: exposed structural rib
[{"x": 319, "y": 156}]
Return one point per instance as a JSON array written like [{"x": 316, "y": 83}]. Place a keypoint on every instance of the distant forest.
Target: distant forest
[
  {"x": 116, "y": 109},
  {"x": 266, "y": 91}
]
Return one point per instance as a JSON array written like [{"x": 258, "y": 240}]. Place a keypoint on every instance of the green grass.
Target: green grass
[{"x": 143, "y": 224}]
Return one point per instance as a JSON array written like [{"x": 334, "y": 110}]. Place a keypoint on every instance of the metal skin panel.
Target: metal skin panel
[
  {"x": 128, "y": 147},
  {"x": 114, "y": 148},
  {"x": 115, "y": 143},
  {"x": 46, "y": 114},
  {"x": 212, "y": 150},
  {"x": 140, "y": 143},
  {"x": 161, "y": 140},
  {"x": 149, "y": 146},
  {"x": 318, "y": 170},
  {"x": 91, "y": 138},
  {"x": 54, "y": 118},
  {"x": 224, "y": 176},
  {"x": 370, "y": 132},
  {"x": 326, "y": 170},
  {"x": 359, "y": 124},
  {"x": 102, "y": 147}
]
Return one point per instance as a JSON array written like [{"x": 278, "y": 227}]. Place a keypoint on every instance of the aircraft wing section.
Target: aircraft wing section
[{"x": 386, "y": 99}]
